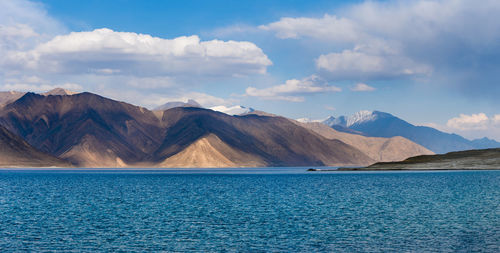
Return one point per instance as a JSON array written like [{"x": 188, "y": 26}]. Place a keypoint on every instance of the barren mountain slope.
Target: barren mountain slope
[
  {"x": 273, "y": 140},
  {"x": 377, "y": 148},
  {"x": 15, "y": 152}
]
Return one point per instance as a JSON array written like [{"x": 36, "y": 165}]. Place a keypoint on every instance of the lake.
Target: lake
[{"x": 279, "y": 210}]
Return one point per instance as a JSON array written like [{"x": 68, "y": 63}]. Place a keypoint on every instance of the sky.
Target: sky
[{"x": 433, "y": 63}]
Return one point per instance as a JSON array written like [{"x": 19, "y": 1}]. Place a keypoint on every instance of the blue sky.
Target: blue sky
[{"x": 428, "y": 62}]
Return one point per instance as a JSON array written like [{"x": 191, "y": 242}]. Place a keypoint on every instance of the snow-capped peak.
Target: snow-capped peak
[
  {"x": 360, "y": 117},
  {"x": 233, "y": 110}
]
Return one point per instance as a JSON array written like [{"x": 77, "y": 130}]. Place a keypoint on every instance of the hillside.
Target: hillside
[
  {"x": 377, "y": 148},
  {"x": 483, "y": 159},
  {"x": 15, "y": 152}
]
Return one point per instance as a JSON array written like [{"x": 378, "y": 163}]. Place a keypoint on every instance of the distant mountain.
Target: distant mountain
[
  {"x": 92, "y": 131},
  {"x": 378, "y": 148},
  {"x": 380, "y": 124},
  {"x": 9, "y": 96},
  {"x": 484, "y": 159},
  {"x": 233, "y": 110},
  {"x": 485, "y": 143},
  {"x": 59, "y": 91},
  {"x": 15, "y": 152},
  {"x": 170, "y": 105}
]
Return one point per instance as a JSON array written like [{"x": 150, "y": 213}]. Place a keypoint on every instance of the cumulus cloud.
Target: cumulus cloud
[
  {"x": 39, "y": 53},
  {"x": 203, "y": 99},
  {"x": 472, "y": 126},
  {"x": 104, "y": 51},
  {"x": 292, "y": 89},
  {"x": 396, "y": 39},
  {"x": 469, "y": 122},
  {"x": 325, "y": 28},
  {"x": 369, "y": 64},
  {"x": 362, "y": 87}
]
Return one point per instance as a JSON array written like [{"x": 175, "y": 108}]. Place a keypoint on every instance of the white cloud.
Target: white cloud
[
  {"x": 103, "y": 51},
  {"x": 369, "y": 63},
  {"x": 496, "y": 120},
  {"x": 326, "y": 28},
  {"x": 469, "y": 122},
  {"x": 410, "y": 38},
  {"x": 472, "y": 126},
  {"x": 362, "y": 87},
  {"x": 203, "y": 99},
  {"x": 290, "y": 90}
]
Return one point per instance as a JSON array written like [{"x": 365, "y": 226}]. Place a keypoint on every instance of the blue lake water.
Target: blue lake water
[{"x": 285, "y": 210}]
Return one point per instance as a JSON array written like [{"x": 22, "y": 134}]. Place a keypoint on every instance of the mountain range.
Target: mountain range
[
  {"x": 63, "y": 128},
  {"x": 88, "y": 130},
  {"x": 381, "y": 124}
]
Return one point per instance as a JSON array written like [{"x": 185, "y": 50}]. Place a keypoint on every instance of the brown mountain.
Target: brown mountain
[
  {"x": 251, "y": 140},
  {"x": 9, "y": 96},
  {"x": 15, "y": 152},
  {"x": 86, "y": 129},
  {"x": 378, "y": 148},
  {"x": 92, "y": 131}
]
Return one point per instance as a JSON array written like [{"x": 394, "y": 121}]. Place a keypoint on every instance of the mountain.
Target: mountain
[
  {"x": 234, "y": 110},
  {"x": 379, "y": 149},
  {"x": 15, "y": 152},
  {"x": 85, "y": 129},
  {"x": 380, "y": 124},
  {"x": 250, "y": 140},
  {"x": 169, "y": 105},
  {"x": 484, "y": 159},
  {"x": 485, "y": 143},
  {"x": 92, "y": 131},
  {"x": 9, "y": 96},
  {"x": 59, "y": 91}
]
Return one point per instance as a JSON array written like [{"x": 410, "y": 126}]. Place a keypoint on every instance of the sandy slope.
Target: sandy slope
[
  {"x": 210, "y": 152},
  {"x": 379, "y": 149}
]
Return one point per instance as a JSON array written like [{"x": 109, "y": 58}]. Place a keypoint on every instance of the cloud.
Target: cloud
[
  {"x": 326, "y": 28},
  {"x": 496, "y": 119},
  {"x": 469, "y": 122},
  {"x": 451, "y": 40},
  {"x": 472, "y": 126},
  {"x": 203, "y": 99},
  {"x": 330, "y": 108},
  {"x": 368, "y": 64},
  {"x": 362, "y": 87},
  {"x": 292, "y": 89},
  {"x": 104, "y": 51}
]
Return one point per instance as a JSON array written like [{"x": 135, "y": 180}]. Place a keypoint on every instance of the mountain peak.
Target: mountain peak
[
  {"x": 233, "y": 110},
  {"x": 59, "y": 92}
]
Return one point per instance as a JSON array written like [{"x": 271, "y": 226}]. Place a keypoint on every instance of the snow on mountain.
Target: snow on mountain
[
  {"x": 308, "y": 120},
  {"x": 233, "y": 110},
  {"x": 361, "y": 117}
]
